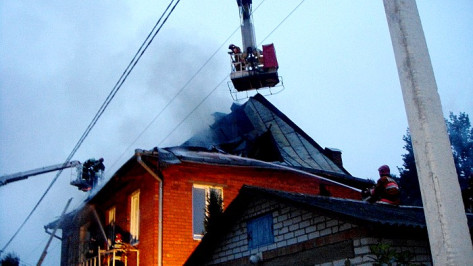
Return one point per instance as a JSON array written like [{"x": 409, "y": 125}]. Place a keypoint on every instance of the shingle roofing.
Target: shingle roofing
[
  {"x": 361, "y": 211},
  {"x": 410, "y": 218},
  {"x": 242, "y": 132}
]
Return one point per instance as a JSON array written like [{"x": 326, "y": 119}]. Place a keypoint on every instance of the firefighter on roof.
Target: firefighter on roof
[{"x": 386, "y": 189}]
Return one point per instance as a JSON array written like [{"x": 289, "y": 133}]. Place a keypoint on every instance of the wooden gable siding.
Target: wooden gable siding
[{"x": 178, "y": 241}]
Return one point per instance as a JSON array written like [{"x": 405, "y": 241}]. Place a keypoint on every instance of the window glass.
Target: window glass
[
  {"x": 260, "y": 231},
  {"x": 111, "y": 215},
  {"x": 200, "y": 194},
  {"x": 198, "y": 209},
  {"x": 135, "y": 217}
]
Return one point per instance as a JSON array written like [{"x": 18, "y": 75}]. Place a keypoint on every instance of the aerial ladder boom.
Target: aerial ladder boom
[
  {"x": 88, "y": 174},
  {"x": 247, "y": 28},
  {"x": 252, "y": 68},
  {"x": 24, "y": 175}
]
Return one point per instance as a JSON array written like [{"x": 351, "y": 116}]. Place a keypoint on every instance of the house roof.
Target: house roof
[
  {"x": 180, "y": 154},
  {"x": 359, "y": 212},
  {"x": 159, "y": 157},
  {"x": 257, "y": 129},
  {"x": 356, "y": 210},
  {"x": 254, "y": 134}
]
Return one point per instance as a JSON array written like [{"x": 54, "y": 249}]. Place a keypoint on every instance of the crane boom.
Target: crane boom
[
  {"x": 252, "y": 69},
  {"x": 247, "y": 28},
  {"x": 24, "y": 175}
]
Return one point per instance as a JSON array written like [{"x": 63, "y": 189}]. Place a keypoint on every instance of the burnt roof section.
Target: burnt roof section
[{"x": 257, "y": 129}]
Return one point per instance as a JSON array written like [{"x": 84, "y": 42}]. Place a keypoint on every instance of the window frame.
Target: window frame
[
  {"x": 135, "y": 217},
  {"x": 206, "y": 188},
  {"x": 111, "y": 215},
  {"x": 266, "y": 225}
]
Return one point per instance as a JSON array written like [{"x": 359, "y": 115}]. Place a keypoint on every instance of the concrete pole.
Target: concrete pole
[
  {"x": 449, "y": 236},
  {"x": 45, "y": 251}
]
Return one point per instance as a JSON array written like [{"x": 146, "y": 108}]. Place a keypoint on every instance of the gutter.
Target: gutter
[
  {"x": 314, "y": 175},
  {"x": 138, "y": 154},
  {"x": 51, "y": 234},
  {"x": 260, "y": 163}
]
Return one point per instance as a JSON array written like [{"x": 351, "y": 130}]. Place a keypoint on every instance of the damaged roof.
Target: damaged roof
[{"x": 257, "y": 129}]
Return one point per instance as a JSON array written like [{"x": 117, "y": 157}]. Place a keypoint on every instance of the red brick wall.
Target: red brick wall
[
  {"x": 178, "y": 242},
  {"x": 119, "y": 196}
]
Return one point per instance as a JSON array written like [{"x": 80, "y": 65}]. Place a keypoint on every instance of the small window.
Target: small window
[
  {"x": 200, "y": 195},
  {"x": 135, "y": 217},
  {"x": 260, "y": 231},
  {"x": 111, "y": 215}
]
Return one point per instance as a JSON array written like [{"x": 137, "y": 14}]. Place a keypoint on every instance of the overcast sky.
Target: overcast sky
[{"x": 60, "y": 59}]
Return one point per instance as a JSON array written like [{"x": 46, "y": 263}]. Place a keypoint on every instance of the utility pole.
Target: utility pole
[
  {"x": 45, "y": 251},
  {"x": 449, "y": 236}
]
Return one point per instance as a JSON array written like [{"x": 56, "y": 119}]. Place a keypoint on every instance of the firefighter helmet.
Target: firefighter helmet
[{"x": 384, "y": 170}]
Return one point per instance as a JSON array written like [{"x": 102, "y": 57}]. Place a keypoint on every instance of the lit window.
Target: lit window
[
  {"x": 260, "y": 231},
  {"x": 111, "y": 215},
  {"x": 200, "y": 196},
  {"x": 135, "y": 217}
]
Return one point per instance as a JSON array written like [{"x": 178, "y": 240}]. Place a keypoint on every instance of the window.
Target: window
[
  {"x": 200, "y": 194},
  {"x": 111, "y": 215},
  {"x": 135, "y": 217},
  {"x": 260, "y": 231}
]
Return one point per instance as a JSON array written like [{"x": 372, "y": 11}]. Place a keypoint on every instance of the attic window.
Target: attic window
[
  {"x": 200, "y": 196},
  {"x": 260, "y": 231}
]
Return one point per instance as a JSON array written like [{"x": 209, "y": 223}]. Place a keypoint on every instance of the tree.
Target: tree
[
  {"x": 461, "y": 138},
  {"x": 214, "y": 209},
  {"x": 10, "y": 259},
  {"x": 409, "y": 183}
]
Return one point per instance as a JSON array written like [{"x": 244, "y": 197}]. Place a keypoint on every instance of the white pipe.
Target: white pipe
[{"x": 160, "y": 215}]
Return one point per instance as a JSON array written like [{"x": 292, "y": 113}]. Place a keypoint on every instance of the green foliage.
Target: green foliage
[
  {"x": 10, "y": 259},
  {"x": 385, "y": 255},
  {"x": 347, "y": 262},
  {"x": 409, "y": 183},
  {"x": 214, "y": 209},
  {"x": 461, "y": 138}
]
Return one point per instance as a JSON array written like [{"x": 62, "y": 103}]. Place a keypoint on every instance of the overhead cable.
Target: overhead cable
[
  {"x": 107, "y": 101},
  {"x": 212, "y": 91},
  {"x": 180, "y": 91}
]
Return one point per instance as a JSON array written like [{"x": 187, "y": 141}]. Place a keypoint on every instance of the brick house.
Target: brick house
[
  {"x": 156, "y": 201},
  {"x": 270, "y": 227}
]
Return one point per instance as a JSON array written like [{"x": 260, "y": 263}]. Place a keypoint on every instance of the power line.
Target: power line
[
  {"x": 107, "y": 101},
  {"x": 193, "y": 110},
  {"x": 212, "y": 91},
  {"x": 120, "y": 82},
  {"x": 180, "y": 91},
  {"x": 282, "y": 21},
  {"x": 176, "y": 95}
]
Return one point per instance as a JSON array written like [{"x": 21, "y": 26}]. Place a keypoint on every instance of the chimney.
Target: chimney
[{"x": 335, "y": 155}]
